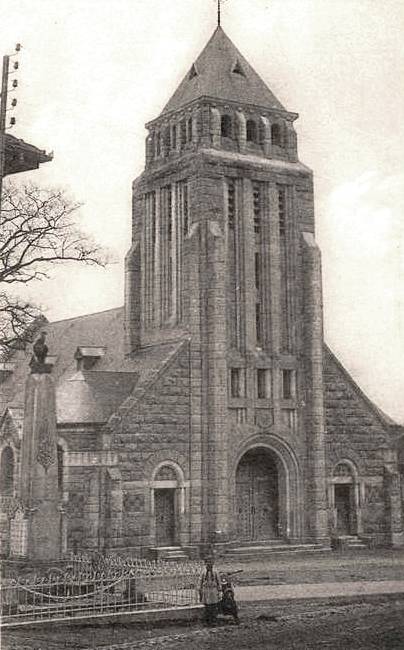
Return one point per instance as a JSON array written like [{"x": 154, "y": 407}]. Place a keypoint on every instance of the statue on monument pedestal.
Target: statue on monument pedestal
[
  {"x": 39, "y": 491},
  {"x": 38, "y": 362}
]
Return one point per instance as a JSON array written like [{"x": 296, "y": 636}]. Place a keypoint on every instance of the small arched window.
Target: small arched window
[
  {"x": 183, "y": 132},
  {"x": 226, "y": 126},
  {"x": 7, "y": 471},
  {"x": 151, "y": 146},
  {"x": 252, "y": 135},
  {"x": 167, "y": 139},
  {"x": 60, "y": 467},
  {"x": 276, "y": 135},
  {"x": 189, "y": 129}
]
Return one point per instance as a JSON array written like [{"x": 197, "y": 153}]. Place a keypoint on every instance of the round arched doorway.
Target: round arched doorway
[
  {"x": 259, "y": 476},
  {"x": 167, "y": 505}
]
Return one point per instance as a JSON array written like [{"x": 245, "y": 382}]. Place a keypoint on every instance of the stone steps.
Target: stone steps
[
  {"x": 349, "y": 543},
  {"x": 265, "y": 549},
  {"x": 168, "y": 553}
]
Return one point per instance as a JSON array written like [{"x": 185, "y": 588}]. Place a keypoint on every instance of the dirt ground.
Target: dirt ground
[
  {"x": 304, "y": 625},
  {"x": 320, "y": 567},
  {"x": 358, "y": 623}
]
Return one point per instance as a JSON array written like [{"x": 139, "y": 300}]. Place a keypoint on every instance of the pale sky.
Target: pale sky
[{"x": 92, "y": 72}]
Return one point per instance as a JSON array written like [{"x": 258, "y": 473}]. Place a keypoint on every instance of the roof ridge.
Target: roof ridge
[{"x": 95, "y": 313}]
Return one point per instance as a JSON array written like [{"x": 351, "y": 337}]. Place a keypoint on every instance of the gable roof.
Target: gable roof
[
  {"x": 89, "y": 396},
  {"x": 222, "y": 72},
  {"x": 383, "y": 418}
]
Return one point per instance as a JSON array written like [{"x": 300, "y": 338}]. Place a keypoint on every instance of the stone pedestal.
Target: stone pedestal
[{"x": 39, "y": 470}]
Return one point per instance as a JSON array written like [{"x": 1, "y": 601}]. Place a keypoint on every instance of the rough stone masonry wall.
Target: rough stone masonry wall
[
  {"x": 156, "y": 428},
  {"x": 356, "y": 432}
]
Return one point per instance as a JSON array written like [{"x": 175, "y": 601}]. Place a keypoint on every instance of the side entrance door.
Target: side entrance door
[
  {"x": 343, "y": 508},
  {"x": 164, "y": 507}
]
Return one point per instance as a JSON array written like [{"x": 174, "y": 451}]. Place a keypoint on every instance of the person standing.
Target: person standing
[{"x": 209, "y": 592}]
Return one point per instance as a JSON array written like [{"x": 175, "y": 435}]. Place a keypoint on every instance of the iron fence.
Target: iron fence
[{"x": 97, "y": 585}]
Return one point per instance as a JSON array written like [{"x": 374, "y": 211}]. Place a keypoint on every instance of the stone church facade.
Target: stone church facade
[{"x": 208, "y": 410}]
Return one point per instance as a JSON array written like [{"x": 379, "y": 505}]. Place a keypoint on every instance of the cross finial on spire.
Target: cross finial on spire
[{"x": 219, "y": 11}]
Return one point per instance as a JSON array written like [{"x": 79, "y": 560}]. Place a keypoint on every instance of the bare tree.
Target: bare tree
[{"x": 37, "y": 230}]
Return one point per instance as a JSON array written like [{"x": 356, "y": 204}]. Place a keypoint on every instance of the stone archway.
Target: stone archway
[
  {"x": 345, "y": 499},
  {"x": 167, "y": 505},
  {"x": 257, "y": 496},
  {"x": 268, "y": 495}
]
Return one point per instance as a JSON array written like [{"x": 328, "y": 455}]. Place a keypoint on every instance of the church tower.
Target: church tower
[{"x": 224, "y": 257}]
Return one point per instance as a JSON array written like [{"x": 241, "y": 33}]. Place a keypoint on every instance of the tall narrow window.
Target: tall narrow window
[
  {"x": 285, "y": 248},
  {"x": 149, "y": 234},
  {"x": 257, "y": 208},
  {"x": 236, "y": 384},
  {"x": 166, "y": 251},
  {"x": 257, "y": 259},
  {"x": 60, "y": 467},
  {"x": 252, "y": 134},
  {"x": 189, "y": 123},
  {"x": 167, "y": 140},
  {"x": 7, "y": 472},
  {"x": 226, "y": 126},
  {"x": 185, "y": 222},
  {"x": 263, "y": 383},
  {"x": 231, "y": 205},
  {"x": 183, "y": 132},
  {"x": 276, "y": 135},
  {"x": 282, "y": 211},
  {"x": 233, "y": 317},
  {"x": 288, "y": 384},
  {"x": 158, "y": 144},
  {"x": 258, "y": 323},
  {"x": 174, "y": 137}
]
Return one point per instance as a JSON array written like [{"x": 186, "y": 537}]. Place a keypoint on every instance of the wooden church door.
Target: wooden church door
[
  {"x": 164, "y": 504},
  {"x": 257, "y": 499}
]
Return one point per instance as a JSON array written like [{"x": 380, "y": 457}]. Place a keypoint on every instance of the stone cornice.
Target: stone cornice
[{"x": 207, "y": 101}]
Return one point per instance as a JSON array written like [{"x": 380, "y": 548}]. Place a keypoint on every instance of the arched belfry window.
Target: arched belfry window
[
  {"x": 252, "y": 132},
  {"x": 276, "y": 135},
  {"x": 167, "y": 139},
  {"x": 7, "y": 472},
  {"x": 226, "y": 126}
]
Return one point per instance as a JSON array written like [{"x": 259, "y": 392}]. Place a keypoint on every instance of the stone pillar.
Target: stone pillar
[
  {"x": 313, "y": 334},
  {"x": 241, "y": 131},
  {"x": 133, "y": 307},
  {"x": 274, "y": 299},
  {"x": 216, "y": 367},
  {"x": 39, "y": 468},
  {"x": 392, "y": 483},
  {"x": 266, "y": 129},
  {"x": 215, "y": 126}
]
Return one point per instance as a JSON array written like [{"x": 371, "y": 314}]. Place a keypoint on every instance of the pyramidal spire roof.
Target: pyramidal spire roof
[{"x": 222, "y": 72}]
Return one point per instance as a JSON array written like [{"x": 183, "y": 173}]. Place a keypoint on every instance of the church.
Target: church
[{"x": 208, "y": 410}]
